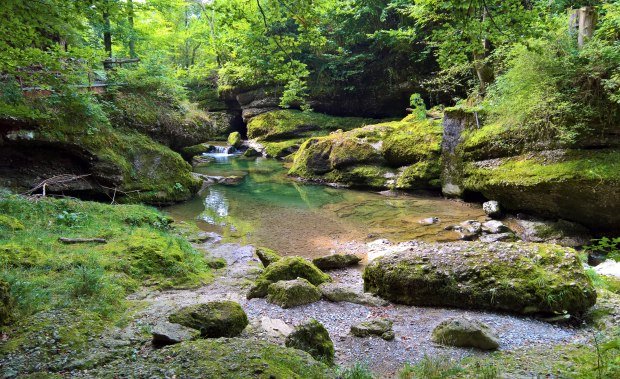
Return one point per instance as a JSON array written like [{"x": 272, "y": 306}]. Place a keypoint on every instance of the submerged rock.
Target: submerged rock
[
  {"x": 267, "y": 256},
  {"x": 516, "y": 277},
  {"x": 213, "y": 320},
  {"x": 492, "y": 209},
  {"x": 167, "y": 333},
  {"x": 464, "y": 332},
  {"x": 313, "y": 338},
  {"x": 292, "y": 293},
  {"x": 196, "y": 150},
  {"x": 337, "y": 292},
  {"x": 336, "y": 261},
  {"x": 380, "y": 327}
]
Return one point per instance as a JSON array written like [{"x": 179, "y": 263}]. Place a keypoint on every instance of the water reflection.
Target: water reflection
[{"x": 268, "y": 208}]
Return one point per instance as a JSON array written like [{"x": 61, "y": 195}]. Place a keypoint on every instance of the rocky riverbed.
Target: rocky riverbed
[{"x": 412, "y": 325}]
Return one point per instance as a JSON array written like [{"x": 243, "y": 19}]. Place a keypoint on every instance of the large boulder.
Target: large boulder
[
  {"x": 292, "y": 293},
  {"x": 336, "y": 261},
  {"x": 215, "y": 319},
  {"x": 313, "y": 338},
  {"x": 464, "y": 332},
  {"x": 234, "y": 140},
  {"x": 515, "y": 277}
]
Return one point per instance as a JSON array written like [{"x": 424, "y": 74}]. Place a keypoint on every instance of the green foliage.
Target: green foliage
[
  {"x": 356, "y": 371},
  {"x": 609, "y": 247},
  {"x": 439, "y": 367},
  {"x": 45, "y": 274}
]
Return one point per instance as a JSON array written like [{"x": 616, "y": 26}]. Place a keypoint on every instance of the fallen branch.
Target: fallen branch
[{"x": 70, "y": 241}]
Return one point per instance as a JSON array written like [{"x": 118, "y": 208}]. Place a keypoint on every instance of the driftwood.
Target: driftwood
[
  {"x": 58, "y": 180},
  {"x": 70, "y": 241}
]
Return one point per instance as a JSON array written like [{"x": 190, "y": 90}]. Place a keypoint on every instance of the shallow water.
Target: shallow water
[{"x": 269, "y": 209}]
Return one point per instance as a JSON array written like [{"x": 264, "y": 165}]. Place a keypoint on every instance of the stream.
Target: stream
[{"x": 267, "y": 208}]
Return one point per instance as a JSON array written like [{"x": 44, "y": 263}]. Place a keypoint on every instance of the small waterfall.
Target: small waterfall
[{"x": 224, "y": 150}]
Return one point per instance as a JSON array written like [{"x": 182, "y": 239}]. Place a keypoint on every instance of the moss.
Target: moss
[
  {"x": 215, "y": 319},
  {"x": 191, "y": 151},
  {"x": 287, "y": 124},
  {"x": 234, "y": 139},
  {"x": 361, "y": 176},
  {"x": 420, "y": 175},
  {"x": 283, "y": 148},
  {"x": 411, "y": 142},
  {"x": 292, "y": 293},
  {"x": 10, "y": 223},
  {"x": 46, "y": 274},
  {"x": 6, "y": 303},
  {"x": 267, "y": 256},
  {"x": 578, "y": 185},
  {"x": 290, "y": 268},
  {"x": 313, "y": 338},
  {"x": 363, "y": 157},
  {"x": 233, "y": 358},
  {"x": 528, "y": 279},
  {"x": 16, "y": 255},
  {"x": 336, "y": 261}
]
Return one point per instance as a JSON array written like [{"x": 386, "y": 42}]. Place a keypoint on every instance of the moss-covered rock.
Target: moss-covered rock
[
  {"x": 234, "y": 139},
  {"x": 290, "y": 268},
  {"x": 267, "y": 256},
  {"x": 577, "y": 185},
  {"x": 336, "y": 261},
  {"x": 369, "y": 156},
  {"x": 233, "y": 358},
  {"x": 291, "y": 124},
  {"x": 191, "y": 151},
  {"x": 412, "y": 143},
  {"x": 515, "y": 277},
  {"x": 292, "y": 293},
  {"x": 215, "y": 319},
  {"x": 464, "y": 332},
  {"x": 313, "y": 338},
  {"x": 6, "y": 303},
  {"x": 16, "y": 255}
]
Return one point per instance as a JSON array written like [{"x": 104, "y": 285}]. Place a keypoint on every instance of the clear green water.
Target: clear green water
[{"x": 269, "y": 209}]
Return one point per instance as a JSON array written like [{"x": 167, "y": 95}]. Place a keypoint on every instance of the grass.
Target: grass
[{"x": 45, "y": 274}]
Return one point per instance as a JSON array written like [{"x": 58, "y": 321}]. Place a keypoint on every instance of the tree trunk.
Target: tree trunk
[
  {"x": 107, "y": 29},
  {"x": 484, "y": 71},
  {"x": 132, "y": 32},
  {"x": 587, "y": 22}
]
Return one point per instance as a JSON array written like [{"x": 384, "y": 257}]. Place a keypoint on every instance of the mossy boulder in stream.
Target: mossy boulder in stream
[
  {"x": 291, "y": 293},
  {"x": 515, "y": 277},
  {"x": 234, "y": 140},
  {"x": 215, "y": 319},
  {"x": 403, "y": 154}
]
